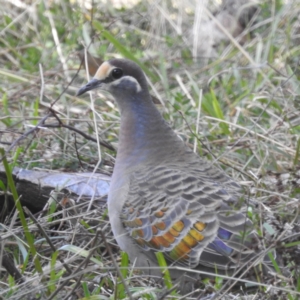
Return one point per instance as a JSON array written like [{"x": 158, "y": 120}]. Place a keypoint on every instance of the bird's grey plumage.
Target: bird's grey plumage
[{"x": 163, "y": 197}]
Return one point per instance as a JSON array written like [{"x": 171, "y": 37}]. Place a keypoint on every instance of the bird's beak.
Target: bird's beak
[{"x": 91, "y": 85}]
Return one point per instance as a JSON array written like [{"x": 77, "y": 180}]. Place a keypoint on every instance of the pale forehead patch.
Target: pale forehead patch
[{"x": 103, "y": 71}]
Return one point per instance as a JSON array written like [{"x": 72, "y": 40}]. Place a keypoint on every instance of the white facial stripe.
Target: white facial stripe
[
  {"x": 103, "y": 71},
  {"x": 129, "y": 78}
]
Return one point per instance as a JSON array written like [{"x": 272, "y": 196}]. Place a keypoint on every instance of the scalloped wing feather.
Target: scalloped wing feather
[{"x": 185, "y": 215}]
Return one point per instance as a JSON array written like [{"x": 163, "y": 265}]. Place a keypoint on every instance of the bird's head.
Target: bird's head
[{"x": 119, "y": 77}]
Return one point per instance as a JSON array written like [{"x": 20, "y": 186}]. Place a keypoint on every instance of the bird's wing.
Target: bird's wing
[{"x": 178, "y": 213}]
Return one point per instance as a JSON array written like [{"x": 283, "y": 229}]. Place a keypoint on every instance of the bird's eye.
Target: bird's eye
[{"x": 116, "y": 73}]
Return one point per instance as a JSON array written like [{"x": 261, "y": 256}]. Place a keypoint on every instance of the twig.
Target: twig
[
  {"x": 61, "y": 124},
  {"x": 115, "y": 265},
  {"x": 74, "y": 273},
  {"x": 36, "y": 222},
  {"x": 32, "y": 130},
  {"x": 76, "y": 150},
  {"x": 9, "y": 265},
  {"x": 83, "y": 264}
]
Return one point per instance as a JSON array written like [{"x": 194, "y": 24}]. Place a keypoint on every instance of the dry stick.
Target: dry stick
[
  {"x": 212, "y": 154},
  {"x": 226, "y": 277},
  {"x": 193, "y": 293},
  {"x": 74, "y": 273},
  {"x": 29, "y": 143},
  {"x": 208, "y": 297},
  {"x": 42, "y": 83},
  {"x": 235, "y": 280},
  {"x": 279, "y": 238},
  {"x": 75, "y": 287},
  {"x": 32, "y": 217},
  {"x": 9, "y": 265},
  {"x": 260, "y": 115},
  {"x": 42, "y": 121},
  {"x": 61, "y": 124},
  {"x": 56, "y": 39},
  {"x": 76, "y": 150},
  {"x": 247, "y": 131},
  {"x": 115, "y": 265},
  {"x": 84, "y": 262},
  {"x": 40, "y": 124},
  {"x": 75, "y": 75},
  {"x": 168, "y": 292}
]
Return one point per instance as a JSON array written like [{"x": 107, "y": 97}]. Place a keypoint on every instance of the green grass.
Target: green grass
[{"x": 246, "y": 101}]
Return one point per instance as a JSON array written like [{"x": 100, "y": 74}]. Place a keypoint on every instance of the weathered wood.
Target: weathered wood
[{"x": 34, "y": 187}]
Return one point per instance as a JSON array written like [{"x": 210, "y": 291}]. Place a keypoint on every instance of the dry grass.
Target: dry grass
[{"x": 249, "y": 123}]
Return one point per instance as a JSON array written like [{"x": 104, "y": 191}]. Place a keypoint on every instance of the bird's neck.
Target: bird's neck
[{"x": 145, "y": 137}]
